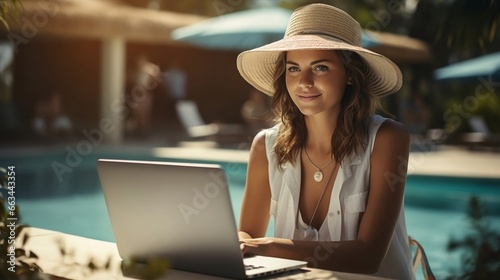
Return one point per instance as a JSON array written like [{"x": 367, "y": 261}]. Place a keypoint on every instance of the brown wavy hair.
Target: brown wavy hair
[{"x": 350, "y": 134}]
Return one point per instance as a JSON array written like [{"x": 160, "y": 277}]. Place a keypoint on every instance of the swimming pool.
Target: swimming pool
[{"x": 63, "y": 193}]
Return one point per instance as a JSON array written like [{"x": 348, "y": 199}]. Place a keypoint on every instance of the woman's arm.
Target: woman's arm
[
  {"x": 387, "y": 179},
  {"x": 254, "y": 217},
  {"x": 389, "y": 164}
]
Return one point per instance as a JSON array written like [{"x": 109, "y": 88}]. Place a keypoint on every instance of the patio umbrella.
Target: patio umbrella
[
  {"x": 243, "y": 30},
  {"x": 256, "y": 27},
  {"x": 237, "y": 31},
  {"x": 486, "y": 66},
  {"x": 97, "y": 19}
]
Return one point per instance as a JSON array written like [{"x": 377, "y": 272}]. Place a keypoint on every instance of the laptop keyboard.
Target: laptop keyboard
[{"x": 252, "y": 267}]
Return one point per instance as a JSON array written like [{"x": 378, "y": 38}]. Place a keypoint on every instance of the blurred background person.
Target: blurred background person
[
  {"x": 175, "y": 80},
  {"x": 146, "y": 77},
  {"x": 50, "y": 123}
]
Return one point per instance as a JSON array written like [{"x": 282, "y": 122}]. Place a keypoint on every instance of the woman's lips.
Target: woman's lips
[{"x": 307, "y": 96}]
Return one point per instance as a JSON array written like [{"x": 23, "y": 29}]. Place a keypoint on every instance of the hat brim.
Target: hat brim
[{"x": 257, "y": 66}]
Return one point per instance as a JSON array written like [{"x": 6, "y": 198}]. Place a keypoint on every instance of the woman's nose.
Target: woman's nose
[{"x": 306, "y": 80}]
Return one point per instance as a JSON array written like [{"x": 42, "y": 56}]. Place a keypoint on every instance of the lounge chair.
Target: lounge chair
[
  {"x": 420, "y": 259},
  {"x": 196, "y": 127},
  {"x": 481, "y": 135}
]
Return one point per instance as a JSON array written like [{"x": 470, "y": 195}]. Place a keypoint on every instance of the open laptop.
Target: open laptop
[{"x": 181, "y": 212}]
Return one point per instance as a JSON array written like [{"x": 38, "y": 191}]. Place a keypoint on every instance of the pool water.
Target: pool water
[{"x": 434, "y": 206}]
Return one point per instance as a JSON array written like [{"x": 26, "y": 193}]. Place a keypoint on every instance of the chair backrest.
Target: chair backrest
[
  {"x": 188, "y": 113},
  {"x": 420, "y": 258},
  {"x": 478, "y": 124}
]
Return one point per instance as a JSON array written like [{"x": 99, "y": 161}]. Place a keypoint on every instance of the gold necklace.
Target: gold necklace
[
  {"x": 322, "y": 194},
  {"x": 318, "y": 176}
]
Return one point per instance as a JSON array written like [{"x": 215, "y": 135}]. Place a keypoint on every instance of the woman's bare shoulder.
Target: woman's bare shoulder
[
  {"x": 260, "y": 138},
  {"x": 392, "y": 132},
  {"x": 259, "y": 145}
]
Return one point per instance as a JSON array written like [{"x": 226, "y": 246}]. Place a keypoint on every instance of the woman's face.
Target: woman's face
[{"x": 315, "y": 80}]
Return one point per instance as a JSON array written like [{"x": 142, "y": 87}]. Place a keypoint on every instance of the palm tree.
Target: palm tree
[
  {"x": 457, "y": 29},
  {"x": 470, "y": 28}
]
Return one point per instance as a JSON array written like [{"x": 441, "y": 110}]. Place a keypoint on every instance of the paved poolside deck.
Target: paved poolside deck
[
  {"x": 443, "y": 161},
  {"x": 457, "y": 162},
  {"x": 425, "y": 158}
]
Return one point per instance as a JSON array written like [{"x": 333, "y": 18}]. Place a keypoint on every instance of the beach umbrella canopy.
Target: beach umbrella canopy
[
  {"x": 256, "y": 27},
  {"x": 486, "y": 66},
  {"x": 243, "y": 30},
  {"x": 96, "y": 19},
  {"x": 237, "y": 31}
]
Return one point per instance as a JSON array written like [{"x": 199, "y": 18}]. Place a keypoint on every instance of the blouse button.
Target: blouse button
[{"x": 338, "y": 212}]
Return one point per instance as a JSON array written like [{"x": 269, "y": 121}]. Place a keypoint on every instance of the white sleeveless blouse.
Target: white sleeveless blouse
[{"x": 347, "y": 202}]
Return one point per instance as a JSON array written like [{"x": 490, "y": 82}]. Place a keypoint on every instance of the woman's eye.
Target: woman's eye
[
  {"x": 321, "y": 68},
  {"x": 293, "y": 69}
]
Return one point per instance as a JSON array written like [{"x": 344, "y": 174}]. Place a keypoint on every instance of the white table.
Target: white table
[{"x": 45, "y": 244}]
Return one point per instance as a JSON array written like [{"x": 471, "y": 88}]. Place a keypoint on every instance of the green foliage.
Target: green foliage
[
  {"x": 70, "y": 264},
  {"x": 150, "y": 269},
  {"x": 457, "y": 30},
  {"x": 9, "y": 9},
  {"x": 468, "y": 106},
  {"x": 488, "y": 108},
  {"x": 15, "y": 261},
  {"x": 481, "y": 248},
  {"x": 153, "y": 268},
  {"x": 469, "y": 26}
]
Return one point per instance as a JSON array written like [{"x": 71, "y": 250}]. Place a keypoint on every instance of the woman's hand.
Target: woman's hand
[
  {"x": 267, "y": 246},
  {"x": 255, "y": 246}
]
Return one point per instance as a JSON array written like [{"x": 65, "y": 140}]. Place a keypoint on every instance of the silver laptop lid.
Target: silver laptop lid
[{"x": 179, "y": 211}]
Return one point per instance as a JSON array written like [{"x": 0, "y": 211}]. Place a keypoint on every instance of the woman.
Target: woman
[{"x": 331, "y": 172}]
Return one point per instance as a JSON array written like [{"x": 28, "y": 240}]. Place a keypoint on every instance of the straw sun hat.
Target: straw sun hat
[{"x": 318, "y": 27}]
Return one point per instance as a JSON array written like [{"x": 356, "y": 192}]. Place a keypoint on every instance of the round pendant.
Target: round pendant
[{"x": 318, "y": 176}]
